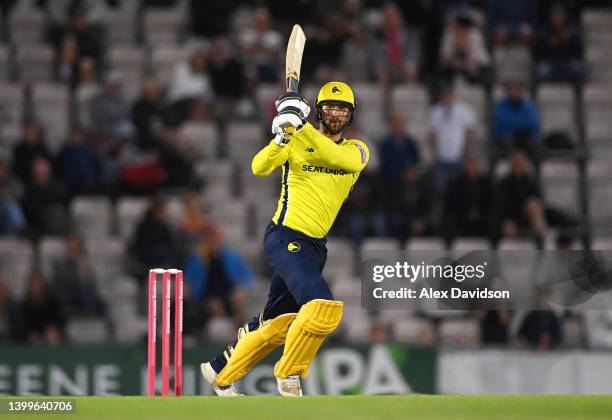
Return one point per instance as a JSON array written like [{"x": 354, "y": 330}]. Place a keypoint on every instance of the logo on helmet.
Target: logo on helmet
[{"x": 337, "y": 90}]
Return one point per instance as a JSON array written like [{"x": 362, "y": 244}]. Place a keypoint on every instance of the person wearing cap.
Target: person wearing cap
[{"x": 319, "y": 169}]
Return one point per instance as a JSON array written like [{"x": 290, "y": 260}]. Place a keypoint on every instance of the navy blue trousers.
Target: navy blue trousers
[{"x": 297, "y": 261}]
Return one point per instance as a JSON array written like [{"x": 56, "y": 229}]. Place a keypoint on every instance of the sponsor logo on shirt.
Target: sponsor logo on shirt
[{"x": 324, "y": 170}]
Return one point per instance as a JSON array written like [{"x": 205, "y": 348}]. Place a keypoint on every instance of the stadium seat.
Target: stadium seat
[
  {"x": 512, "y": 63},
  {"x": 51, "y": 106},
  {"x": 426, "y": 244},
  {"x": 120, "y": 24},
  {"x": 560, "y": 185},
  {"x": 130, "y": 210},
  {"x": 598, "y": 107},
  {"x": 4, "y": 63},
  {"x": 83, "y": 96},
  {"x": 412, "y": 330},
  {"x": 164, "y": 59},
  {"x": 221, "y": 330},
  {"x": 357, "y": 329},
  {"x": 387, "y": 246},
  {"x": 129, "y": 61},
  {"x": 16, "y": 262},
  {"x": 26, "y": 27},
  {"x": 244, "y": 140},
  {"x": 470, "y": 244},
  {"x": 131, "y": 330},
  {"x": 202, "y": 135},
  {"x": 556, "y": 104},
  {"x": 459, "y": 332},
  {"x": 92, "y": 216},
  {"x": 163, "y": 27},
  {"x": 12, "y": 102},
  {"x": 51, "y": 248},
  {"x": 35, "y": 63},
  {"x": 86, "y": 331}
]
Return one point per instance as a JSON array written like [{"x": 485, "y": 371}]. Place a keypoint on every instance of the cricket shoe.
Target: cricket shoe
[
  {"x": 290, "y": 386},
  {"x": 223, "y": 391}
]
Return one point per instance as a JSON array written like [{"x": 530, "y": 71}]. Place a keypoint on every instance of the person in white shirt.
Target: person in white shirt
[
  {"x": 451, "y": 125},
  {"x": 190, "y": 91}
]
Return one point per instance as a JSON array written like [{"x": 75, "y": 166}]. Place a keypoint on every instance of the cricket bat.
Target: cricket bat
[
  {"x": 295, "y": 49},
  {"x": 293, "y": 63}
]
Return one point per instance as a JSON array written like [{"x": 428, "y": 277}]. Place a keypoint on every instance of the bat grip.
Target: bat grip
[{"x": 292, "y": 84}]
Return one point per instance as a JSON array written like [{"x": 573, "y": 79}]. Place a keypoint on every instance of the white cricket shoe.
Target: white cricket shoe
[
  {"x": 223, "y": 391},
  {"x": 290, "y": 386}
]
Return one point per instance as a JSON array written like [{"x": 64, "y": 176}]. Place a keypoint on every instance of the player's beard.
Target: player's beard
[{"x": 334, "y": 124}]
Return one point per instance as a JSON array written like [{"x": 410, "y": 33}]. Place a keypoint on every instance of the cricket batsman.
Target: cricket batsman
[{"x": 319, "y": 169}]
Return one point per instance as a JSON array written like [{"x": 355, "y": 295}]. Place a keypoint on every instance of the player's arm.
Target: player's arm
[
  {"x": 350, "y": 157},
  {"x": 269, "y": 158}
]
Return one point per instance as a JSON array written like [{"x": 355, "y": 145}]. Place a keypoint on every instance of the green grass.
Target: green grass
[{"x": 341, "y": 408}]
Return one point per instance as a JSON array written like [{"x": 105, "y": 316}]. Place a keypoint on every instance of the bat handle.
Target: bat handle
[{"x": 292, "y": 83}]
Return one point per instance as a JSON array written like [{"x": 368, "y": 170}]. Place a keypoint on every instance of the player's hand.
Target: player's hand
[
  {"x": 293, "y": 101},
  {"x": 284, "y": 124}
]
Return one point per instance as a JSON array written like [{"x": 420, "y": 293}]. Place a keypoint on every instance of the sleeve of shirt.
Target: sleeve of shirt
[
  {"x": 351, "y": 156},
  {"x": 269, "y": 158}
]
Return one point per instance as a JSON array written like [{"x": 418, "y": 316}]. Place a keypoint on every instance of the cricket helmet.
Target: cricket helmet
[{"x": 335, "y": 92}]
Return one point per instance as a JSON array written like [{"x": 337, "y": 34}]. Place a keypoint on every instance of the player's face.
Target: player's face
[{"x": 336, "y": 116}]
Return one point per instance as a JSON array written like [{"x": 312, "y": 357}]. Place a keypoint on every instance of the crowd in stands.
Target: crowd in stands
[{"x": 442, "y": 185}]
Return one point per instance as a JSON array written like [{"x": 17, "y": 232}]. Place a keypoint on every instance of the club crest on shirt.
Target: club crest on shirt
[{"x": 294, "y": 247}]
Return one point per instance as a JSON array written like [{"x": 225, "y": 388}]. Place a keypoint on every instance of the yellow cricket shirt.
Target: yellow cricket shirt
[{"x": 318, "y": 175}]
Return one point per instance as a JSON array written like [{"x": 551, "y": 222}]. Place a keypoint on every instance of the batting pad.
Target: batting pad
[
  {"x": 316, "y": 320},
  {"x": 253, "y": 346}
]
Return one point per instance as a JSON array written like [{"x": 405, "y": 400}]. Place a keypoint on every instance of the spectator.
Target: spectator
[
  {"x": 74, "y": 276},
  {"x": 149, "y": 116},
  {"x": 226, "y": 73},
  {"x": 75, "y": 164},
  {"x": 494, "y": 326},
  {"x": 463, "y": 50},
  {"x": 399, "y": 155},
  {"x": 516, "y": 122},
  {"x": 451, "y": 125},
  {"x": 468, "y": 203},
  {"x": 154, "y": 243},
  {"x": 559, "y": 50},
  {"x": 44, "y": 202},
  {"x": 12, "y": 322},
  {"x": 80, "y": 39},
  {"x": 398, "y": 150},
  {"x": 44, "y": 314},
  {"x": 212, "y": 17},
  {"x": 520, "y": 202},
  {"x": 220, "y": 277},
  {"x": 397, "y": 48},
  {"x": 190, "y": 92},
  {"x": 31, "y": 147},
  {"x": 512, "y": 21},
  {"x": 12, "y": 219},
  {"x": 541, "y": 329},
  {"x": 195, "y": 225},
  {"x": 261, "y": 46},
  {"x": 108, "y": 110}
]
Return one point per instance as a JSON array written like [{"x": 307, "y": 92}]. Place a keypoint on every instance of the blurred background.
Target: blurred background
[{"x": 127, "y": 130}]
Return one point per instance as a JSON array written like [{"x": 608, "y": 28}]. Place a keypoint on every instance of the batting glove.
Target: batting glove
[
  {"x": 284, "y": 124},
  {"x": 295, "y": 102}
]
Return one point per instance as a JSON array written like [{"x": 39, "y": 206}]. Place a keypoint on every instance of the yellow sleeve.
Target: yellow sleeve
[
  {"x": 269, "y": 158},
  {"x": 351, "y": 156}
]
